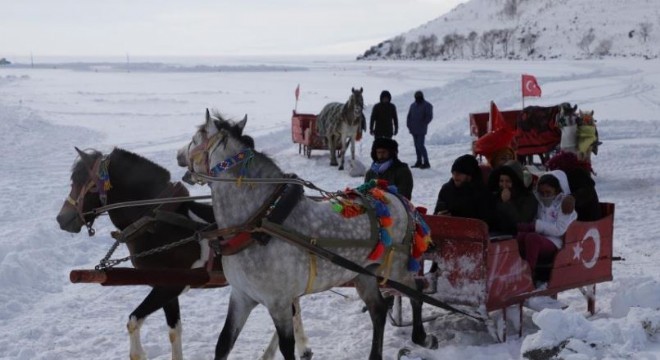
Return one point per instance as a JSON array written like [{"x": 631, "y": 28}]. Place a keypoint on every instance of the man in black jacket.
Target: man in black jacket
[
  {"x": 465, "y": 194},
  {"x": 387, "y": 166},
  {"x": 384, "y": 121}
]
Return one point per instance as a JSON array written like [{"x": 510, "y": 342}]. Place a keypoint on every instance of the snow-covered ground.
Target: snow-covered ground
[{"x": 45, "y": 112}]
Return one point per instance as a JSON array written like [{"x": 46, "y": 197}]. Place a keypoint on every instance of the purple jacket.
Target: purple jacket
[{"x": 419, "y": 117}]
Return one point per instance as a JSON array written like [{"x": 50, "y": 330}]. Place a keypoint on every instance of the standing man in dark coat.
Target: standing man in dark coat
[
  {"x": 420, "y": 115},
  {"x": 387, "y": 166},
  {"x": 384, "y": 121}
]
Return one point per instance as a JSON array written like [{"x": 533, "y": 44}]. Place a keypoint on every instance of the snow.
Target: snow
[
  {"x": 559, "y": 27},
  {"x": 45, "y": 112}
]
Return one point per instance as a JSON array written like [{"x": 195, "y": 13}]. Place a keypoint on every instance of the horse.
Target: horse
[
  {"x": 567, "y": 120},
  {"x": 339, "y": 122},
  {"x": 277, "y": 272},
  {"x": 587, "y": 136},
  {"x": 120, "y": 176}
]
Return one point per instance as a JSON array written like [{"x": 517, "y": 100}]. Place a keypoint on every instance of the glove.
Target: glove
[
  {"x": 526, "y": 227},
  {"x": 568, "y": 204}
]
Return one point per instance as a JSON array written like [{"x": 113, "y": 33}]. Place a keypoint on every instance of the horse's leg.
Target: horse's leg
[
  {"x": 240, "y": 306},
  {"x": 173, "y": 317},
  {"x": 343, "y": 152},
  {"x": 367, "y": 289},
  {"x": 331, "y": 145},
  {"x": 353, "y": 147},
  {"x": 298, "y": 333},
  {"x": 419, "y": 336},
  {"x": 282, "y": 315},
  {"x": 156, "y": 299}
]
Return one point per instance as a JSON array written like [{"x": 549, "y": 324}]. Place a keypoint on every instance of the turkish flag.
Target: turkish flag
[
  {"x": 297, "y": 92},
  {"x": 529, "y": 86}
]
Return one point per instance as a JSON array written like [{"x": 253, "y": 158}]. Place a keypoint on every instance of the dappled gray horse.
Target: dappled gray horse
[
  {"x": 277, "y": 272},
  {"x": 340, "y": 123}
]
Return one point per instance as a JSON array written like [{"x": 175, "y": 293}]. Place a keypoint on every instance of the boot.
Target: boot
[
  {"x": 425, "y": 166},
  {"x": 417, "y": 165}
]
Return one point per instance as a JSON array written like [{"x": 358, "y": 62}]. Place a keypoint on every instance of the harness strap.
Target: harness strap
[
  {"x": 312, "y": 273},
  {"x": 304, "y": 242}
]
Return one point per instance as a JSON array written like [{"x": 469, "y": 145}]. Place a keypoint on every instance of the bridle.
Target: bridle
[
  {"x": 99, "y": 182},
  {"x": 199, "y": 155}
]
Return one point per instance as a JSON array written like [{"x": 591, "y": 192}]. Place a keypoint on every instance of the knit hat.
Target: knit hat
[
  {"x": 384, "y": 143},
  {"x": 385, "y": 94},
  {"x": 468, "y": 165}
]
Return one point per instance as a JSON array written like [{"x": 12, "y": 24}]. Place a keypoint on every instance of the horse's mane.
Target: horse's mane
[
  {"x": 237, "y": 133},
  {"x": 159, "y": 173},
  {"x": 80, "y": 171}
]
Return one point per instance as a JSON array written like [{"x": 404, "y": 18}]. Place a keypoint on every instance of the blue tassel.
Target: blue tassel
[
  {"x": 385, "y": 237},
  {"x": 413, "y": 265},
  {"x": 425, "y": 227},
  {"x": 381, "y": 209},
  {"x": 392, "y": 189}
]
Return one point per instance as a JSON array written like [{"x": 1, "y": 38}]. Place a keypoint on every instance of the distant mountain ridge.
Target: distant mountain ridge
[{"x": 532, "y": 29}]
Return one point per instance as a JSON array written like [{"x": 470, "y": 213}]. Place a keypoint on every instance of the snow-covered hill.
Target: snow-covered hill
[{"x": 532, "y": 29}]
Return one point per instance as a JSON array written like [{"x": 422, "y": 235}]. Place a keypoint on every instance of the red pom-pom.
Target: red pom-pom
[
  {"x": 377, "y": 252},
  {"x": 382, "y": 183},
  {"x": 385, "y": 221}
]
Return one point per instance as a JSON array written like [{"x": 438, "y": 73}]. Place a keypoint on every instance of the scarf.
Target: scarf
[{"x": 380, "y": 168}]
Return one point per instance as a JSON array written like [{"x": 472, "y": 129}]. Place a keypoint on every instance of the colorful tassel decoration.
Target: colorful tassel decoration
[
  {"x": 337, "y": 207},
  {"x": 392, "y": 189},
  {"x": 385, "y": 221},
  {"x": 377, "y": 252},
  {"x": 385, "y": 237},
  {"x": 413, "y": 265}
]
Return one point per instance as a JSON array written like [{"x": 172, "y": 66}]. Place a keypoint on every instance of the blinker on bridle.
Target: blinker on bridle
[{"x": 99, "y": 182}]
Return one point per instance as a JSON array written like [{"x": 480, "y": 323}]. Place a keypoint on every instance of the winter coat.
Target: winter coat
[
  {"x": 420, "y": 115},
  {"x": 384, "y": 121},
  {"x": 521, "y": 207},
  {"x": 471, "y": 200},
  {"x": 583, "y": 189},
  {"x": 397, "y": 174},
  {"x": 551, "y": 222}
]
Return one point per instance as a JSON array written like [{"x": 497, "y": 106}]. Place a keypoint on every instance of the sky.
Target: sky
[{"x": 207, "y": 27}]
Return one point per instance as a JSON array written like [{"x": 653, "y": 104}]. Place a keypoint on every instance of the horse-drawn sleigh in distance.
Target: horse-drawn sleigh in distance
[{"x": 318, "y": 243}]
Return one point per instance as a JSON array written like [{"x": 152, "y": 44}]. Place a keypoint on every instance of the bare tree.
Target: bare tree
[
  {"x": 472, "y": 42},
  {"x": 504, "y": 38},
  {"x": 427, "y": 45},
  {"x": 586, "y": 41},
  {"x": 645, "y": 30},
  {"x": 487, "y": 43},
  {"x": 603, "y": 47},
  {"x": 396, "y": 45},
  {"x": 412, "y": 48},
  {"x": 448, "y": 41},
  {"x": 527, "y": 42}
]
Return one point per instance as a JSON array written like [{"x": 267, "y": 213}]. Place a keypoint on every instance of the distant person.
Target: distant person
[
  {"x": 542, "y": 238},
  {"x": 582, "y": 186},
  {"x": 387, "y": 166},
  {"x": 465, "y": 194},
  {"x": 384, "y": 121},
  {"x": 420, "y": 115},
  {"x": 513, "y": 202}
]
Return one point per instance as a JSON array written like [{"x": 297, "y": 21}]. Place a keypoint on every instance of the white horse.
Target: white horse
[
  {"x": 277, "y": 273},
  {"x": 339, "y": 122}
]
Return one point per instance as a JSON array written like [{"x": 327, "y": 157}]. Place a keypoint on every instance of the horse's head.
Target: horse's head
[
  {"x": 216, "y": 140},
  {"x": 567, "y": 115},
  {"x": 86, "y": 188},
  {"x": 586, "y": 117},
  {"x": 357, "y": 102}
]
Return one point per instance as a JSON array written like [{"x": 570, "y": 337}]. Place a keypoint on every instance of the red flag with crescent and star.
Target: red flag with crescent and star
[{"x": 529, "y": 86}]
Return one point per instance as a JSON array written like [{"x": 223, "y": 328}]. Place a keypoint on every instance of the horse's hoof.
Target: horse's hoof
[
  {"x": 307, "y": 355},
  {"x": 431, "y": 342},
  {"x": 333, "y": 164},
  {"x": 341, "y": 168}
]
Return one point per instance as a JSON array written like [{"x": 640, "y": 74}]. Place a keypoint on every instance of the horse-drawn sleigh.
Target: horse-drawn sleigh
[{"x": 260, "y": 210}]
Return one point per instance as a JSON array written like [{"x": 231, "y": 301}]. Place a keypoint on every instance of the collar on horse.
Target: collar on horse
[{"x": 244, "y": 156}]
